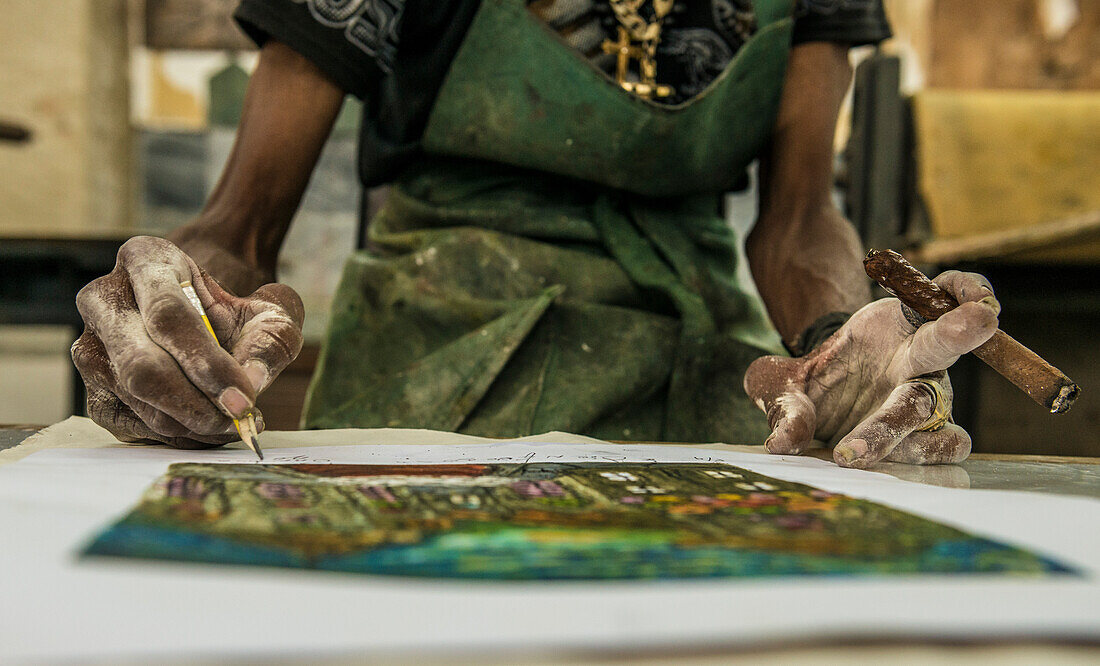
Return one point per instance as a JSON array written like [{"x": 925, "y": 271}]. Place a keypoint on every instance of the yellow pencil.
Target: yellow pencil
[{"x": 246, "y": 427}]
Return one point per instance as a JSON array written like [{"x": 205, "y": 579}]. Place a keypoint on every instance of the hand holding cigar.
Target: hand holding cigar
[{"x": 1044, "y": 383}]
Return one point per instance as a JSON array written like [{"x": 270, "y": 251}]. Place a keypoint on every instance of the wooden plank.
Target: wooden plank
[{"x": 1002, "y": 244}]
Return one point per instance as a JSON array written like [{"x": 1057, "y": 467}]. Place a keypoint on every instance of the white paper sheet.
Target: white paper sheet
[{"x": 54, "y": 606}]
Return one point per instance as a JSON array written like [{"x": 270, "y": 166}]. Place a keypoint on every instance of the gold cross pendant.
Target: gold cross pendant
[{"x": 626, "y": 50}]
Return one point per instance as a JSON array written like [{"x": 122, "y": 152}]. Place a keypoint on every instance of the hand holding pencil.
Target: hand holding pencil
[{"x": 154, "y": 370}]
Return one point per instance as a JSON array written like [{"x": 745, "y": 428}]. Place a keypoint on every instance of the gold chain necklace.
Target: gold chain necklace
[{"x": 638, "y": 39}]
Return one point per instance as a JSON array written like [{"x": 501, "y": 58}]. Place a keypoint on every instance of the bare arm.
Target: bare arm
[
  {"x": 805, "y": 257},
  {"x": 289, "y": 111}
]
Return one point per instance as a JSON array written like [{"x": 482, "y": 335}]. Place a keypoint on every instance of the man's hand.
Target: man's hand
[
  {"x": 856, "y": 389},
  {"x": 152, "y": 370}
]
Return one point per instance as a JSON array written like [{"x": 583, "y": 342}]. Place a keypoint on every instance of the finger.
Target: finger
[
  {"x": 792, "y": 418},
  {"x": 947, "y": 446},
  {"x": 264, "y": 330},
  {"x": 272, "y": 335},
  {"x": 907, "y": 407},
  {"x": 173, "y": 323},
  {"x": 111, "y": 414},
  {"x": 116, "y": 417},
  {"x": 966, "y": 287},
  {"x": 104, "y": 407},
  {"x": 938, "y": 344},
  {"x": 91, "y": 360},
  {"x": 774, "y": 383},
  {"x": 142, "y": 368},
  {"x": 166, "y": 425},
  {"x": 195, "y": 441}
]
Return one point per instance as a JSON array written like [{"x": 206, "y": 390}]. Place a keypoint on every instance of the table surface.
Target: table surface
[
  {"x": 1044, "y": 474},
  {"x": 11, "y": 435},
  {"x": 1062, "y": 475}
]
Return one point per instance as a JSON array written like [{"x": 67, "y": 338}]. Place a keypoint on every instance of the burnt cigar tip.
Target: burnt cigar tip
[
  {"x": 1065, "y": 398},
  {"x": 871, "y": 259}
]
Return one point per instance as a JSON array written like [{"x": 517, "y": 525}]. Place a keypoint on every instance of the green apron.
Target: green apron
[{"x": 558, "y": 259}]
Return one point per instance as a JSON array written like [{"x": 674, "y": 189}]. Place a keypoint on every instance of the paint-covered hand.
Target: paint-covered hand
[
  {"x": 855, "y": 391},
  {"x": 152, "y": 370}
]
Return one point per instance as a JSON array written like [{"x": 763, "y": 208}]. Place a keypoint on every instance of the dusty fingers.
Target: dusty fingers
[
  {"x": 772, "y": 382},
  {"x": 966, "y": 287},
  {"x": 911, "y": 405},
  {"x": 948, "y": 445},
  {"x": 152, "y": 369},
  {"x": 143, "y": 370},
  {"x": 263, "y": 331},
  {"x": 123, "y": 415},
  {"x": 271, "y": 336},
  {"x": 176, "y": 327},
  {"x": 118, "y": 419},
  {"x": 936, "y": 346}
]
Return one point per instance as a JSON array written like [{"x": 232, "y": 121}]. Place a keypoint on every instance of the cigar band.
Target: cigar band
[{"x": 941, "y": 408}]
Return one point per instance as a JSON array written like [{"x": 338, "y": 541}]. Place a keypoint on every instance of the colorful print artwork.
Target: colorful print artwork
[{"x": 539, "y": 521}]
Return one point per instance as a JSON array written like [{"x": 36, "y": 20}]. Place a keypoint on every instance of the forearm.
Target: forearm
[
  {"x": 289, "y": 110},
  {"x": 804, "y": 256},
  {"x": 807, "y": 268}
]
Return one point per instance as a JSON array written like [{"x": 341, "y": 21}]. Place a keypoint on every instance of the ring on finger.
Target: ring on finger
[{"x": 941, "y": 408}]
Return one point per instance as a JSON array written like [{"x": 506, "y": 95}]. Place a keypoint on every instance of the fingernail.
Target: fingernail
[
  {"x": 257, "y": 373},
  {"x": 768, "y": 443},
  {"x": 851, "y": 451},
  {"x": 234, "y": 402},
  {"x": 260, "y": 425},
  {"x": 991, "y": 303}
]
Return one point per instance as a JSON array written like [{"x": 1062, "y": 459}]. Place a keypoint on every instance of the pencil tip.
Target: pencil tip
[{"x": 257, "y": 449}]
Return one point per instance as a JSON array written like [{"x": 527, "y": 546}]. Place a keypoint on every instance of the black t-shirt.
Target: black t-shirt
[{"x": 394, "y": 54}]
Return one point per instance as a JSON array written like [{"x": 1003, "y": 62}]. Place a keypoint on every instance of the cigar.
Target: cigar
[{"x": 1043, "y": 382}]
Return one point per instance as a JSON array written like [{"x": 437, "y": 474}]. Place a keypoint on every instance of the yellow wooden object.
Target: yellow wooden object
[{"x": 995, "y": 160}]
